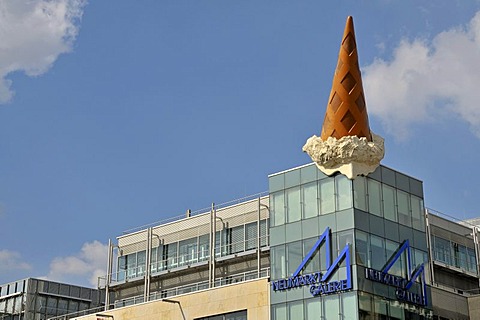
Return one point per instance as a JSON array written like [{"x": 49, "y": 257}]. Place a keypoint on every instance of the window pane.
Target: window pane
[
  {"x": 396, "y": 310},
  {"x": 293, "y": 204},
  {"x": 278, "y": 208},
  {"x": 251, "y": 235},
  {"x": 294, "y": 256},
  {"x": 121, "y": 268},
  {"x": 374, "y": 197},
  {"x": 131, "y": 261},
  {"x": 2, "y": 306},
  {"x": 360, "y": 193},
  {"x": 397, "y": 268},
  {"x": 83, "y": 306},
  {"x": 380, "y": 308},
  {"x": 187, "y": 251},
  {"x": 308, "y": 174},
  {"x": 331, "y": 307},
  {"x": 157, "y": 264},
  {"x": 222, "y": 242},
  {"x": 170, "y": 251},
  {"x": 279, "y": 312},
  {"x": 17, "y": 307},
  {"x": 441, "y": 249},
  {"x": 314, "y": 264},
  {"x": 361, "y": 248},
  {"x": 203, "y": 243},
  {"x": 403, "y": 208},
  {"x": 365, "y": 305},
  {"x": 418, "y": 219},
  {"x": 239, "y": 315},
  {"x": 41, "y": 304},
  {"x": 20, "y": 286},
  {"x": 292, "y": 178},
  {"x": 10, "y": 305},
  {"x": 460, "y": 256},
  {"x": 313, "y": 309},
  {"x": 309, "y": 200},
  {"x": 472, "y": 262},
  {"x": 377, "y": 252},
  {"x": 295, "y": 310},
  {"x": 419, "y": 258},
  {"x": 238, "y": 238},
  {"x": 62, "y": 306},
  {"x": 73, "y": 306},
  {"x": 349, "y": 305},
  {"x": 327, "y": 196},
  {"x": 279, "y": 269},
  {"x": 141, "y": 260},
  {"x": 51, "y": 306},
  {"x": 389, "y": 205},
  {"x": 263, "y": 233},
  {"x": 344, "y": 192},
  {"x": 344, "y": 238}
]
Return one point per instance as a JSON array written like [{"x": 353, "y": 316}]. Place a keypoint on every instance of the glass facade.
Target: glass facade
[
  {"x": 374, "y": 215},
  {"x": 229, "y": 240},
  {"x": 454, "y": 254},
  {"x": 33, "y": 299},
  {"x": 238, "y": 315}
]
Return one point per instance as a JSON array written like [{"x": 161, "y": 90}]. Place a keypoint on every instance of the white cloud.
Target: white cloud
[
  {"x": 428, "y": 81},
  {"x": 11, "y": 261},
  {"x": 33, "y": 34},
  {"x": 89, "y": 263}
]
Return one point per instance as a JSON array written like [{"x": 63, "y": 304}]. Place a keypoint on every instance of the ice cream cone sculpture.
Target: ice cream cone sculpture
[{"x": 346, "y": 144}]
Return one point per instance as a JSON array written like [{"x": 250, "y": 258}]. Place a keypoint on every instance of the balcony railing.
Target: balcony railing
[
  {"x": 448, "y": 259},
  {"x": 241, "y": 277},
  {"x": 181, "y": 260},
  {"x": 78, "y": 314}
]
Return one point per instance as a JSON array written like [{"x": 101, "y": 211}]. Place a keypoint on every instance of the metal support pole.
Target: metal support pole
[
  {"x": 477, "y": 250},
  {"x": 147, "y": 265},
  {"x": 109, "y": 274},
  {"x": 211, "y": 272},
  {"x": 429, "y": 245},
  {"x": 259, "y": 266},
  {"x": 214, "y": 242},
  {"x": 266, "y": 232}
]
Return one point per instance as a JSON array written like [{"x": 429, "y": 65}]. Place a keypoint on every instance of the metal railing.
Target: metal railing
[
  {"x": 179, "y": 261},
  {"x": 197, "y": 212},
  {"x": 78, "y": 313},
  {"x": 454, "y": 261},
  {"x": 219, "y": 282}
]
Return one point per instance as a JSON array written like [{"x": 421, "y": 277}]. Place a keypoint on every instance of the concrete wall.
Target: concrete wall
[
  {"x": 450, "y": 305},
  {"x": 252, "y": 296},
  {"x": 474, "y": 307}
]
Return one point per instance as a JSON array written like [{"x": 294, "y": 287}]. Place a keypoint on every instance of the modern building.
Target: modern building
[
  {"x": 36, "y": 299},
  {"x": 261, "y": 242},
  {"x": 340, "y": 238}
]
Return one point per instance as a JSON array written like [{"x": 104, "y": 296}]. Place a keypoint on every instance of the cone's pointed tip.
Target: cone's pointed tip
[{"x": 349, "y": 23}]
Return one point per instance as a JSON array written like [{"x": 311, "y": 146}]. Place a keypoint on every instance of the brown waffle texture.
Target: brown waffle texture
[{"x": 346, "y": 113}]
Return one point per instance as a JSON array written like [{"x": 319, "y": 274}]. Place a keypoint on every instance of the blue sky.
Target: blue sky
[{"x": 116, "y": 114}]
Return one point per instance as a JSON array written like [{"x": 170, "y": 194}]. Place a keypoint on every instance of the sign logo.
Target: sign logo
[
  {"x": 403, "y": 285},
  {"x": 318, "y": 282}
]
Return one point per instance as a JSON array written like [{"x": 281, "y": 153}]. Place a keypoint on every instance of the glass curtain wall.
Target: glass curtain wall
[
  {"x": 189, "y": 251},
  {"x": 374, "y": 214},
  {"x": 33, "y": 299},
  {"x": 303, "y": 203}
]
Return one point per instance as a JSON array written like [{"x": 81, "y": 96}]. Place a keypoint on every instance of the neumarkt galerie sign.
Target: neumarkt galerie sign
[
  {"x": 403, "y": 286},
  {"x": 319, "y": 283}
]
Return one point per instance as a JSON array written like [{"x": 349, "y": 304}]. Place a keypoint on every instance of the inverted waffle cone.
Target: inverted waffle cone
[{"x": 346, "y": 113}]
